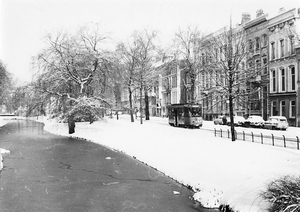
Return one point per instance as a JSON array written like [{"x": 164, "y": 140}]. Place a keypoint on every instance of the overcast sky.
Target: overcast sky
[{"x": 23, "y": 23}]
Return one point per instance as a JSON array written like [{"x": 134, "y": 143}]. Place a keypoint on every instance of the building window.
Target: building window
[
  {"x": 264, "y": 40},
  {"x": 174, "y": 81},
  {"x": 174, "y": 71},
  {"x": 221, "y": 53},
  {"x": 293, "y": 108},
  {"x": 282, "y": 108},
  {"x": 207, "y": 80},
  {"x": 174, "y": 97},
  {"x": 166, "y": 84},
  {"x": 187, "y": 78},
  {"x": 257, "y": 67},
  {"x": 203, "y": 59},
  {"x": 273, "y": 80},
  {"x": 272, "y": 51},
  {"x": 292, "y": 43},
  {"x": 257, "y": 44},
  {"x": 265, "y": 65},
  {"x": 250, "y": 45},
  {"x": 273, "y": 109},
  {"x": 221, "y": 102},
  {"x": 282, "y": 80},
  {"x": 281, "y": 48},
  {"x": 293, "y": 78}
]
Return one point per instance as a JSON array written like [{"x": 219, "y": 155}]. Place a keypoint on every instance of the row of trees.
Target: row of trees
[
  {"x": 76, "y": 77},
  {"x": 7, "y": 98}
]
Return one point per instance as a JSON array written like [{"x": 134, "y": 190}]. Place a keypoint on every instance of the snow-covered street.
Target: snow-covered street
[{"x": 220, "y": 171}]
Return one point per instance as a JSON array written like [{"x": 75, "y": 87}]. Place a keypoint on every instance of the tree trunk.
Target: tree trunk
[
  {"x": 231, "y": 119},
  {"x": 141, "y": 107},
  {"x": 193, "y": 85},
  {"x": 130, "y": 104},
  {"x": 71, "y": 124},
  {"x": 231, "y": 109},
  {"x": 147, "y": 105},
  {"x": 91, "y": 119}
]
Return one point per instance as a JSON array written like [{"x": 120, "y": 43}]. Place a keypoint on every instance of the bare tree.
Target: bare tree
[
  {"x": 6, "y": 87},
  {"x": 225, "y": 54},
  {"x": 68, "y": 69},
  {"x": 188, "y": 48},
  {"x": 128, "y": 57},
  {"x": 145, "y": 59}
]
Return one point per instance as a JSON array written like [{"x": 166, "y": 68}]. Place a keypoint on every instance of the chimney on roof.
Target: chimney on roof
[
  {"x": 259, "y": 13},
  {"x": 245, "y": 17}
]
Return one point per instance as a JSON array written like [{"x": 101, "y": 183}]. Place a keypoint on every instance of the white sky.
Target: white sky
[{"x": 24, "y": 22}]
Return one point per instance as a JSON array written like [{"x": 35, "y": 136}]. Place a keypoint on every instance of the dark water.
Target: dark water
[{"x": 45, "y": 172}]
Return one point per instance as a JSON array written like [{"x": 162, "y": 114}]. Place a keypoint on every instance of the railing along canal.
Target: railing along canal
[{"x": 280, "y": 141}]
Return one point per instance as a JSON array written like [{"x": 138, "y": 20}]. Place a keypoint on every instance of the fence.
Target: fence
[{"x": 281, "y": 141}]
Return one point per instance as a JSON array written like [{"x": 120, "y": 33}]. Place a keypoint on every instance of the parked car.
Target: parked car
[
  {"x": 218, "y": 120},
  {"x": 276, "y": 122},
  {"x": 238, "y": 121},
  {"x": 254, "y": 121}
]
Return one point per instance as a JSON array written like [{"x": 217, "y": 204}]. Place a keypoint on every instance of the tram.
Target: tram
[{"x": 185, "y": 115}]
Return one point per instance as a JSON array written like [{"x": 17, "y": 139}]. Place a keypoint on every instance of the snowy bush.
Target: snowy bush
[
  {"x": 83, "y": 109},
  {"x": 283, "y": 194}
]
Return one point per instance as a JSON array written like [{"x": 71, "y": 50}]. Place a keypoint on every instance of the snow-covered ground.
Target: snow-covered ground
[{"x": 220, "y": 171}]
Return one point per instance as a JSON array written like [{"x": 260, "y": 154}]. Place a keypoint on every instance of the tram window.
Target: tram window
[
  {"x": 195, "y": 112},
  {"x": 180, "y": 112}
]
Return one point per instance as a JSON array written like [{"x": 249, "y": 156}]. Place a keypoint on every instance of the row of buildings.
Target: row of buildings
[{"x": 274, "y": 52}]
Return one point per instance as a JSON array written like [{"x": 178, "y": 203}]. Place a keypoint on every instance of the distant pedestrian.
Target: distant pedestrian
[{"x": 224, "y": 119}]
